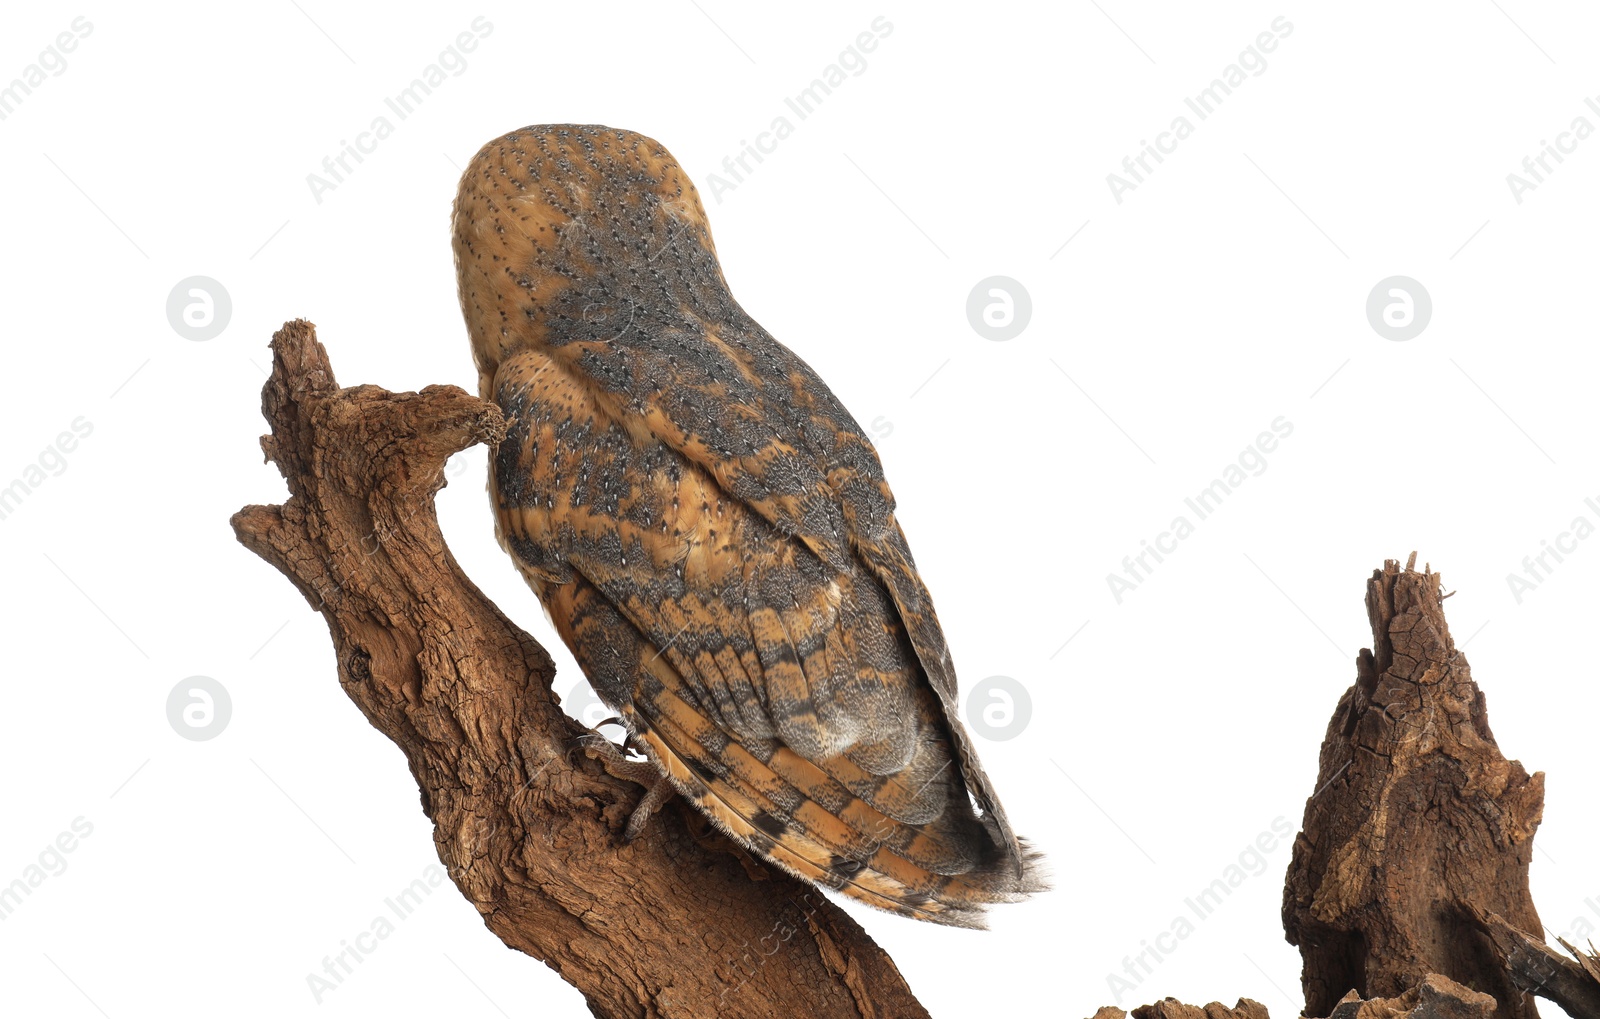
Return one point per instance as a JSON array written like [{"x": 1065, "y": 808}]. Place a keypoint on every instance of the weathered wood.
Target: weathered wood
[
  {"x": 669, "y": 925},
  {"x": 1172, "y": 1008},
  {"x": 1415, "y": 813},
  {"x": 1434, "y": 997},
  {"x": 1573, "y": 983}
]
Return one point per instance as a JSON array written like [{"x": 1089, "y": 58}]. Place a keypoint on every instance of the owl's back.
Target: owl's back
[{"x": 712, "y": 535}]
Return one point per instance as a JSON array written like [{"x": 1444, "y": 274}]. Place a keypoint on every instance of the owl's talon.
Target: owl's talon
[
  {"x": 595, "y": 746},
  {"x": 657, "y": 789},
  {"x": 630, "y": 741},
  {"x": 617, "y": 763}
]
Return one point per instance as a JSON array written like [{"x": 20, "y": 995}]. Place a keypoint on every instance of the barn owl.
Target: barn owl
[{"x": 711, "y": 534}]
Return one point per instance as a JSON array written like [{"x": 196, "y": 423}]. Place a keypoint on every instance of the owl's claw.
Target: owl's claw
[
  {"x": 629, "y": 741},
  {"x": 658, "y": 790}
]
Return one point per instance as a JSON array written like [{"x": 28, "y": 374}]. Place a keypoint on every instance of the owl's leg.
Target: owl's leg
[
  {"x": 658, "y": 790},
  {"x": 653, "y": 799}
]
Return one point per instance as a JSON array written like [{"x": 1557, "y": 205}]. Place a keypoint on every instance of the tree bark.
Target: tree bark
[
  {"x": 1435, "y": 997},
  {"x": 1172, "y": 1008},
  {"x": 527, "y": 819},
  {"x": 1573, "y": 983},
  {"x": 1417, "y": 818}
]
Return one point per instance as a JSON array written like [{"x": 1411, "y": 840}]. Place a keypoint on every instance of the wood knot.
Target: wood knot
[{"x": 359, "y": 665}]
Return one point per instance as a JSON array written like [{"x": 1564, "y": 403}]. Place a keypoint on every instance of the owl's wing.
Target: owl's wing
[
  {"x": 780, "y": 693},
  {"x": 735, "y": 402},
  {"x": 903, "y": 842}
]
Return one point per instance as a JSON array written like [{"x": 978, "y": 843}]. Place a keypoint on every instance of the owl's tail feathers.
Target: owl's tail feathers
[
  {"x": 816, "y": 829},
  {"x": 889, "y": 557}
]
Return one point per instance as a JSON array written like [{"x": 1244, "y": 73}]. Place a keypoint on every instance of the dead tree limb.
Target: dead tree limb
[
  {"x": 1416, "y": 813},
  {"x": 674, "y": 924},
  {"x": 1573, "y": 983}
]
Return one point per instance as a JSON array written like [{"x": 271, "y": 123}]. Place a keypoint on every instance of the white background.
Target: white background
[{"x": 1226, "y": 290}]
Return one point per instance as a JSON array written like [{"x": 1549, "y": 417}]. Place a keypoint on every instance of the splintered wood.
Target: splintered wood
[
  {"x": 1416, "y": 818},
  {"x": 1573, "y": 983},
  {"x": 1408, "y": 889}
]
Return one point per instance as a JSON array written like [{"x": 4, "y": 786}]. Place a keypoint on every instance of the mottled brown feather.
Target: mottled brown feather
[{"x": 712, "y": 534}]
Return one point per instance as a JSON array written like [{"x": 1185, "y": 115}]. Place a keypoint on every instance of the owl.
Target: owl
[{"x": 712, "y": 536}]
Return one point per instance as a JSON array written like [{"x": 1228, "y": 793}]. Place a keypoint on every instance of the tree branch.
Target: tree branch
[{"x": 680, "y": 922}]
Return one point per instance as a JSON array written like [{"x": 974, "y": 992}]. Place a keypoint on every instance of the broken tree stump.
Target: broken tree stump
[
  {"x": 1417, "y": 817},
  {"x": 668, "y": 926}
]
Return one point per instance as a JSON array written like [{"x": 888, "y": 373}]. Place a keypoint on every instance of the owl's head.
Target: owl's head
[{"x": 568, "y": 233}]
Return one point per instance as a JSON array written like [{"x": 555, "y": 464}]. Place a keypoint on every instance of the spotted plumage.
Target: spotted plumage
[{"x": 712, "y": 534}]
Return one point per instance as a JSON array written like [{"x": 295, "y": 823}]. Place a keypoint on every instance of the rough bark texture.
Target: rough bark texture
[
  {"x": 1416, "y": 814},
  {"x": 674, "y": 924},
  {"x": 1573, "y": 983},
  {"x": 1435, "y": 997},
  {"x": 1172, "y": 1008}
]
